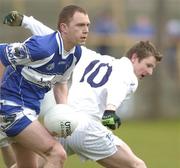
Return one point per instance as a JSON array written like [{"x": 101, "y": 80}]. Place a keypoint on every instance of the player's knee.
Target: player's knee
[
  {"x": 56, "y": 153},
  {"x": 59, "y": 151},
  {"x": 139, "y": 164},
  {"x": 62, "y": 154}
]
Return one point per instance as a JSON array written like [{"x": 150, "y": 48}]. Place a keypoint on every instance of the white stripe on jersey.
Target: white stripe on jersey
[
  {"x": 41, "y": 62},
  {"x": 36, "y": 77}
]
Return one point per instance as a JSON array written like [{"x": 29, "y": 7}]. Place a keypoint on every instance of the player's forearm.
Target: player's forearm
[
  {"x": 35, "y": 26},
  {"x": 117, "y": 93},
  {"x": 61, "y": 93}
]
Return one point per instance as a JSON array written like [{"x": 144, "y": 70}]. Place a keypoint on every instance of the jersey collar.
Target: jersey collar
[{"x": 62, "y": 51}]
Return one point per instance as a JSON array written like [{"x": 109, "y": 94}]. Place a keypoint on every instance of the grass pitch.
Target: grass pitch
[{"x": 157, "y": 142}]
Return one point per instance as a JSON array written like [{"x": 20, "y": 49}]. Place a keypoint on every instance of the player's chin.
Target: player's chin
[{"x": 82, "y": 42}]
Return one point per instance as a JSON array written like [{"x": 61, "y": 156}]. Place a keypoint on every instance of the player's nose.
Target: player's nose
[{"x": 150, "y": 71}]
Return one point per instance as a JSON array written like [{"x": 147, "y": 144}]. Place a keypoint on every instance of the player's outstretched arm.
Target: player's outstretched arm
[{"x": 13, "y": 18}]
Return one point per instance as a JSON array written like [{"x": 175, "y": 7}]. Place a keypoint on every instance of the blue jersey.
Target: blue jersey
[{"x": 33, "y": 67}]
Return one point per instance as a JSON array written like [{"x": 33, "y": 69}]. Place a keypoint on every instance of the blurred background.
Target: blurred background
[{"x": 115, "y": 26}]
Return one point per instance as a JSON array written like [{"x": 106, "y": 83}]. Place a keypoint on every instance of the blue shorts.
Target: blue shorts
[{"x": 14, "y": 118}]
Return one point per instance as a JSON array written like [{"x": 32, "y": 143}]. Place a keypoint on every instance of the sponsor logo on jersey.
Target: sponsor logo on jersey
[{"x": 45, "y": 83}]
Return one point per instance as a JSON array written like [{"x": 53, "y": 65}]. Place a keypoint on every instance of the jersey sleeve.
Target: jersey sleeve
[
  {"x": 117, "y": 92},
  {"x": 36, "y": 27},
  {"x": 23, "y": 53},
  {"x": 119, "y": 86},
  {"x": 14, "y": 54}
]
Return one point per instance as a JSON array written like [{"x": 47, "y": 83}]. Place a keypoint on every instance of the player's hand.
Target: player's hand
[
  {"x": 111, "y": 120},
  {"x": 14, "y": 18}
]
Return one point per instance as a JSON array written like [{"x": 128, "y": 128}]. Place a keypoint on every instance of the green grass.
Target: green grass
[{"x": 157, "y": 142}]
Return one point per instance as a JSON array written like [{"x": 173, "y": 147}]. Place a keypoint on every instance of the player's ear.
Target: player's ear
[
  {"x": 134, "y": 57},
  {"x": 63, "y": 27}
]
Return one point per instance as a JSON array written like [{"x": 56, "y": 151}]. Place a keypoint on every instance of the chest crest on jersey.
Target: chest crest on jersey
[{"x": 50, "y": 66}]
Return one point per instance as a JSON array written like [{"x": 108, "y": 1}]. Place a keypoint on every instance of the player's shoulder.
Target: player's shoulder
[
  {"x": 44, "y": 39},
  {"x": 124, "y": 68},
  {"x": 123, "y": 63},
  {"x": 42, "y": 44},
  {"x": 88, "y": 52},
  {"x": 93, "y": 55}
]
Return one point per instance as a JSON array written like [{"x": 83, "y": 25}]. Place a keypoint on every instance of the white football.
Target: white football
[
  {"x": 61, "y": 120},
  {"x": 46, "y": 104}
]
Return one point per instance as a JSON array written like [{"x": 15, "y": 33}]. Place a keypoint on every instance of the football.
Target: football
[{"x": 60, "y": 120}]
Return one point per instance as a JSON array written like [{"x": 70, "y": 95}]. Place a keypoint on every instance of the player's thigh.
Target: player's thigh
[
  {"x": 91, "y": 140},
  {"x": 124, "y": 157},
  {"x": 35, "y": 137},
  {"x": 24, "y": 157}
]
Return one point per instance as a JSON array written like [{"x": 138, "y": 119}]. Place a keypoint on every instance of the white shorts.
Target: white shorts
[{"x": 91, "y": 140}]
